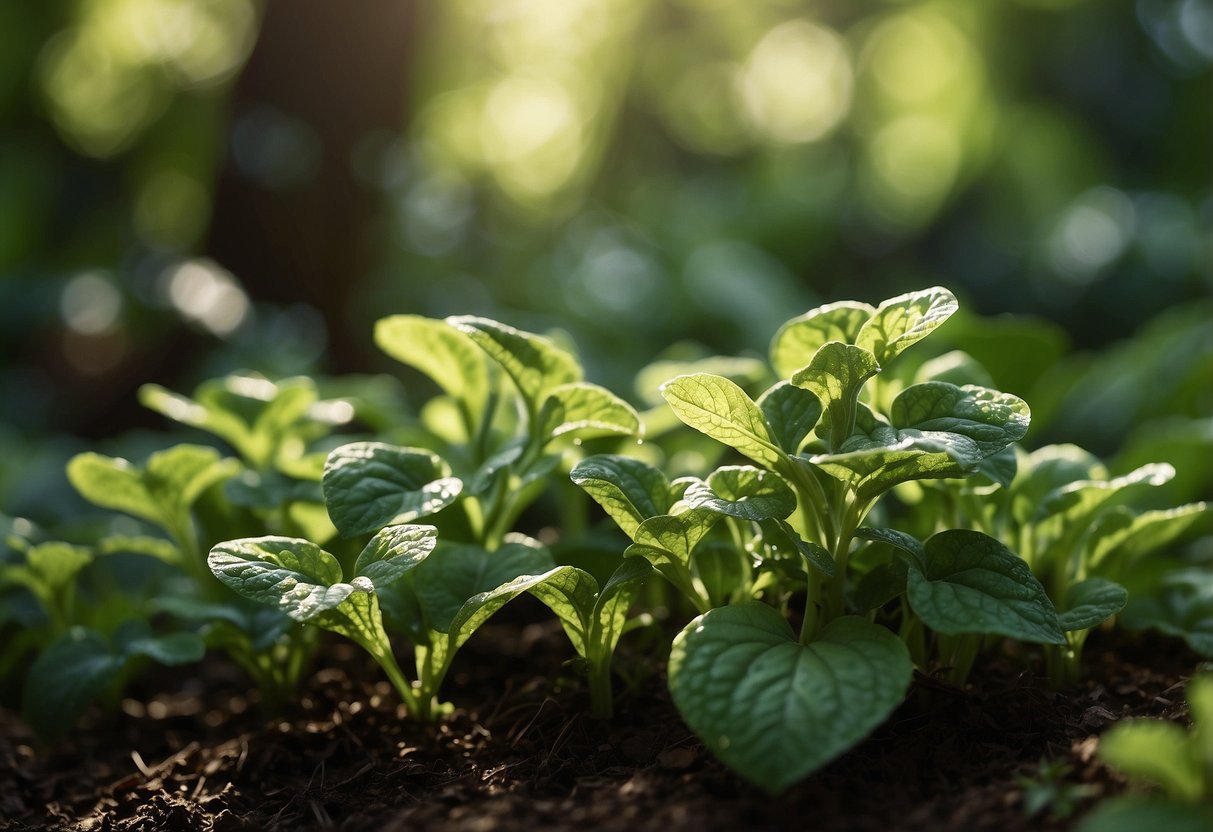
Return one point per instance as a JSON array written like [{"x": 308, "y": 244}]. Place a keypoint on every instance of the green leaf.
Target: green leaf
[
  {"x": 440, "y": 351},
  {"x": 161, "y": 492},
  {"x": 1154, "y": 751},
  {"x": 780, "y": 535},
  {"x": 881, "y": 584},
  {"x": 57, "y": 564},
  {"x": 797, "y": 340},
  {"x": 871, "y": 464},
  {"x": 587, "y": 410},
  {"x": 745, "y": 371},
  {"x": 775, "y": 710},
  {"x": 1046, "y": 470},
  {"x": 791, "y": 414},
  {"x": 1134, "y": 814},
  {"x": 743, "y": 491},
  {"x": 968, "y": 582},
  {"x": 993, "y": 420},
  {"x": 571, "y": 594},
  {"x": 905, "y": 320},
  {"x": 1182, "y": 606},
  {"x": 535, "y": 363},
  {"x": 630, "y": 491},
  {"x": 82, "y": 665},
  {"x": 65, "y": 678},
  {"x": 395, "y": 551},
  {"x": 666, "y": 541},
  {"x": 1091, "y": 602},
  {"x": 457, "y": 572},
  {"x": 836, "y": 375},
  {"x": 720, "y": 409},
  {"x": 295, "y": 576},
  {"x": 1122, "y": 536},
  {"x": 155, "y": 547},
  {"x": 899, "y": 540},
  {"x": 369, "y": 485},
  {"x": 479, "y": 608}
]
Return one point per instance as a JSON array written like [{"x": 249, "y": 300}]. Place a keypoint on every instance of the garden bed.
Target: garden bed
[{"x": 521, "y": 751}]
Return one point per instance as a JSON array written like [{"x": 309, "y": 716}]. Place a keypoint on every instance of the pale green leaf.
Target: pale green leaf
[
  {"x": 797, "y": 340},
  {"x": 1122, "y": 536},
  {"x": 720, "y": 409},
  {"x": 775, "y": 710},
  {"x": 535, "y": 363},
  {"x": 1154, "y": 751},
  {"x": 743, "y": 491},
  {"x": 440, "y": 351},
  {"x": 394, "y": 551},
  {"x": 587, "y": 410},
  {"x": 905, "y": 320},
  {"x": 57, "y": 564},
  {"x": 836, "y": 375},
  {"x": 369, "y": 485}
]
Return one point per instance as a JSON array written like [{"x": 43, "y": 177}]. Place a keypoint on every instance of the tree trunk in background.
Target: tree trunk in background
[{"x": 291, "y": 219}]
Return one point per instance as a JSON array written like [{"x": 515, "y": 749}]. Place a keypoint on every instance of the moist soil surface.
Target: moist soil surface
[{"x": 192, "y": 752}]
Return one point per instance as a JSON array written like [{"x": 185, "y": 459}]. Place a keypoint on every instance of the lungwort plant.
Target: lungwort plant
[{"x": 773, "y": 701}]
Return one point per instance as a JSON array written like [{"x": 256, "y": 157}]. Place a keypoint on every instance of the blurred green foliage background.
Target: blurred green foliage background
[{"x": 193, "y": 186}]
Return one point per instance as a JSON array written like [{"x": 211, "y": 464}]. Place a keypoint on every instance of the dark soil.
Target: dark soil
[{"x": 522, "y": 754}]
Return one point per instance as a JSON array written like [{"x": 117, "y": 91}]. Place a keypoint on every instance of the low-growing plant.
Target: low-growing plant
[
  {"x": 1176, "y": 764},
  {"x": 774, "y": 703}
]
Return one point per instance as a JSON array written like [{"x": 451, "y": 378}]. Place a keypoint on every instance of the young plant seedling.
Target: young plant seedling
[
  {"x": 1162, "y": 755},
  {"x": 774, "y": 704}
]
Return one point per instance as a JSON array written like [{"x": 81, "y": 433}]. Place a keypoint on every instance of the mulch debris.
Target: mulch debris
[{"x": 521, "y": 753}]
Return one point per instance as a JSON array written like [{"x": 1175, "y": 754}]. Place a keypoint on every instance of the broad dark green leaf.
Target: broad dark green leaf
[
  {"x": 630, "y": 491},
  {"x": 440, "y": 351},
  {"x": 881, "y": 584},
  {"x": 295, "y": 576},
  {"x": 1091, "y": 602},
  {"x": 369, "y": 485},
  {"x": 1182, "y": 607},
  {"x": 587, "y": 410},
  {"x": 836, "y": 375},
  {"x": 457, "y": 572},
  {"x": 718, "y": 408},
  {"x": 791, "y": 413},
  {"x": 968, "y": 582},
  {"x": 899, "y": 540},
  {"x": 797, "y": 340},
  {"x": 743, "y": 491},
  {"x": 905, "y": 320},
  {"x": 775, "y": 710},
  {"x": 993, "y": 420},
  {"x": 535, "y": 363}
]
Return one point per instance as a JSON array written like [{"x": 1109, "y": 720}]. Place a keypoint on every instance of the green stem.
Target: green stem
[
  {"x": 396, "y": 676},
  {"x": 602, "y": 700},
  {"x": 848, "y": 523}
]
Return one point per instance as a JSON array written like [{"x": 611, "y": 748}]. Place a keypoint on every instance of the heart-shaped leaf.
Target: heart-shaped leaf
[
  {"x": 743, "y": 491},
  {"x": 797, "y": 340},
  {"x": 836, "y": 375},
  {"x": 905, "y": 320},
  {"x": 369, "y": 485},
  {"x": 1091, "y": 602},
  {"x": 718, "y": 408},
  {"x": 968, "y": 582},
  {"x": 775, "y": 710},
  {"x": 630, "y": 491},
  {"x": 587, "y": 410}
]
